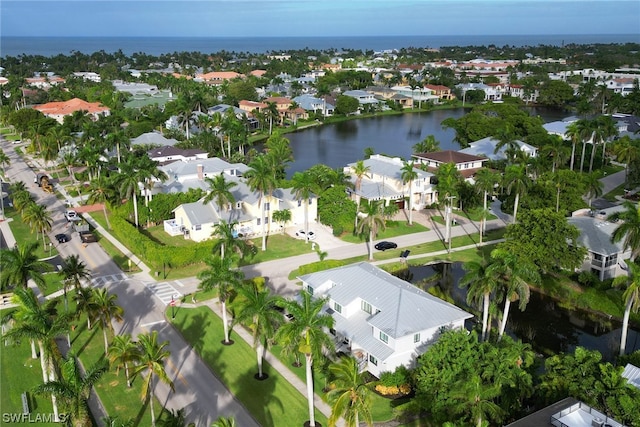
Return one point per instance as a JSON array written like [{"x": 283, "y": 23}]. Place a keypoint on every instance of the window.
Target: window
[
  {"x": 266, "y": 220},
  {"x": 299, "y": 203},
  {"x": 197, "y": 227},
  {"x": 267, "y": 206},
  {"x": 309, "y": 290},
  {"x": 365, "y": 306},
  {"x": 384, "y": 337},
  {"x": 258, "y": 221},
  {"x": 337, "y": 307},
  {"x": 416, "y": 338},
  {"x": 373, "y": 360},
  {"x": 310, "y": 202}
]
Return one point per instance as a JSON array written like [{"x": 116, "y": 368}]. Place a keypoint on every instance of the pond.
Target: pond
[
  {"x": 546, "y": 326},
  {"x": 338, "y": 144}
]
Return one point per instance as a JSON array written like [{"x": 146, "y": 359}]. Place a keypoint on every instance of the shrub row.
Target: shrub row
[{"x": 320, "y": 266}]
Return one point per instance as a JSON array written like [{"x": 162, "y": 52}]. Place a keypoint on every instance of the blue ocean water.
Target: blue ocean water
[{"x": 50, "y": 46}]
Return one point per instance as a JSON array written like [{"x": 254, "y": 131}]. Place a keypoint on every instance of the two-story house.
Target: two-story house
[
  {"x": 383, "y": 181},
  {"x": 467, "y": 164},
  {"x": 362, "y": 96},
  {"x": 442, "y": 92},
  {"x": 487, "y": 147},
  {"x": 315, "y": 105},
  {"x": 58, "y": 110},
  {"x": 383, "y": 321}
]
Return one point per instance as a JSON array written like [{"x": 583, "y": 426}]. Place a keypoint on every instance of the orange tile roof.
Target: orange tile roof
[
  {"x": 252, "y": 104},
  {"x": 68, "y": 107},
  {"x": 219, "y": 75},
  {"x": 278, "y": 100},
  {"x": 258, "y": 73},
  {"x": 437, "y": 87}
]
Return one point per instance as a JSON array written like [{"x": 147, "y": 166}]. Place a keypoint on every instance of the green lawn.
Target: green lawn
[
  {"x": 618, "y": 191},
  {"x": 273, "y": 402},
  {"x": 22, "y": 233},
  {"x": 394, "y": 228}
]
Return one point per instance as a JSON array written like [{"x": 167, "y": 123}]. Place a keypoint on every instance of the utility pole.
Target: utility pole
[{"x": 448, "y": 216}]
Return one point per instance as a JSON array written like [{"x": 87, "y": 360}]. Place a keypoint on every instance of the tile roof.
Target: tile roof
[
  {"x": 69, "y": 107},
  {"x": 449, "y": 156}
]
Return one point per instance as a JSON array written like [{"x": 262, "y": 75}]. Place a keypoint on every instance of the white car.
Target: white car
[
  {"x": 72, "y": 216},
  {"x": 302, "y": 235}
]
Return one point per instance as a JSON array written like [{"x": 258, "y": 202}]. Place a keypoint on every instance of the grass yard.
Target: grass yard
[
  {"x": 476, "y": 214},
  {"x": 22, "y": 233},
  {"x": 611, "y": 195},
  {"x": 394, "y": 228},
  {"x": 273, "y": 402},
  {"x": 116, "y": 255}
]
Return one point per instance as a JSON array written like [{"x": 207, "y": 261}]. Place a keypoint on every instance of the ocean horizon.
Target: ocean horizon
[{"x": 51, "y": 46}]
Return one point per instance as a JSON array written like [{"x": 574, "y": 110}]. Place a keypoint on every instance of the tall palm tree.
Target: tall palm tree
[
  {"x": 85, "y": 304},
  {"x": 360, "y": 170},
  {"x": 427, "y": 145},
  {"x": 631, "y": 298},
  {"x": 350, "y": 398},
  {"x": 308, "y": 322},
  {"x": 279, "y": 154},
  {"x": 507, "y": 139},
  {"x": 74, "y": 271},
  {"x": 302, "y": 186},
  {"x": 41, "y": 324},
  {"x": 222, "y": 276},
  {"x": 226, "y": 243},
  {"x": 129, "y": 183},
  {"x": 4, "y": 161},
  {"x": 124, "y": 350},
  {"x": 475, "y": 399},
  {"x": 593, "y": 186},
  {"x": 101, "y": 191},
  {"x": 514, "y": 273},
  {"x": 516, "y": 180},
  {"x": 260, "y": 178},
  {"x": 482, "y": 282},
  {"x": 627, "y": 152},
  {"x": 220, "y": 192},
  {"x": 107, "y": 311},
  {"x": 605, "y": 130},
  {"x": 585, "y": 129},
  {"x": 629, "y": 230},
  {"x": 408, "y": 174},
  {"x": 555, "y": 149},
  {"x": 152, "y": 358},
  {"x": 20, "y": 264},
  {"x": 39, "y": 219},
  {"x": 272, "y": 113},
  {"x": 485, "y": 182},
  {"x": 258, "y": 311},
  {"x": 73, "y": 389},
  {"x": 573, "y": 133},
  {"x": 371, "y": 223}
]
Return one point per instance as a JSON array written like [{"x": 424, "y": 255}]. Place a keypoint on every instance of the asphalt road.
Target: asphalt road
[{"x": 197, "y": 390}]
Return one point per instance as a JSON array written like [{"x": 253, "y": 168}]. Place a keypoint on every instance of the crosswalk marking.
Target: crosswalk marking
[
  {"x": 110, "y": 278},
  {"x": 164, "y": 291}
]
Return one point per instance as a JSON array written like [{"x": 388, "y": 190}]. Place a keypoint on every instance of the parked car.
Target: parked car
[
  {"x": 72, "y": 216},
  {"x": 62, "y": 238},
  {"x": 383, "y": 246},
  {"x": 302, "y": 235},
  {"x": 87, "y": 237}
]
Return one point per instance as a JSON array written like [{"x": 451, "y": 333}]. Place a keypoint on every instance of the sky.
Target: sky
[{"x": 251, "y": 18}]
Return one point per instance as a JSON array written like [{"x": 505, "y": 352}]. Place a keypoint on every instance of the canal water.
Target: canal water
[
  {"x": 546, "y": 326},
  {"x": 338, "y": 144}
]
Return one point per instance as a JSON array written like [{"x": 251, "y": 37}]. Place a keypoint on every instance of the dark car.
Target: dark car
[
  {"x": 383, "y": 246},
  {"x": 62, "y": 238}
]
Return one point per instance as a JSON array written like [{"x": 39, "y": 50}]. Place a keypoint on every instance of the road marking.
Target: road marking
[
  {"x": 179, "y": 283},
  {"x": 152, "y": 323},
  {"x": 178, "y": 374}
]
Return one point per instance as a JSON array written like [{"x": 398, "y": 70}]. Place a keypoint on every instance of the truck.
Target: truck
[{"x": 82, "y": 228}]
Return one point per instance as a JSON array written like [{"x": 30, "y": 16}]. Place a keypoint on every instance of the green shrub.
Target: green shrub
[
  {"x": 587, "y": 278},
  {"x": 338, "y": 230},
  {"x": 320, "y": 266}
]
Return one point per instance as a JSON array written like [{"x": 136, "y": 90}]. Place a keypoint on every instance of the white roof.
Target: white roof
[{"x": 632, "y": 374}]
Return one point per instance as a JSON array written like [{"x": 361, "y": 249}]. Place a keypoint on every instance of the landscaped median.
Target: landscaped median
[{"x": 272, "y": 402}]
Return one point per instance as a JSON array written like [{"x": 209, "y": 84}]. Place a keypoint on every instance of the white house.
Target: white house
[
  {"x": 487, "y": 147},
  {"x": 362, "y": 96},
  {"x": 467, "y": 164},
  {"x": 380, "y": 319},
  {"x": 168, "y": 154},
  {"x": 491, "y": 93},
  {"x": 384, "y": 182}
]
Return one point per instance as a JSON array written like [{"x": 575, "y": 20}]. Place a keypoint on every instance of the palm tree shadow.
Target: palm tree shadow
[
  {"x": 86, "y": 343},
  {"x": 261, "y": 390}
]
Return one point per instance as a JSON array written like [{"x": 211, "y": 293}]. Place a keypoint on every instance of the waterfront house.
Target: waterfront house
[
  {"x": 487, "y": 147},
  {"x": 442, "y": 92},
  {"x": 60, "y": 109},
  {"x": 169, "y": 154},
  {"x": 467, "y": 164},
  {"x": 315, "y": 105},
  {"x": 383, "y": 321},
  {"x": 384, "y": 182},
  {"x": 491, "y": 93},
  {"x": 362, "y": 96}
]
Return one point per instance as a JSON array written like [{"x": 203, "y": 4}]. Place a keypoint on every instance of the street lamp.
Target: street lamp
[{"x": 173, "y": 307}]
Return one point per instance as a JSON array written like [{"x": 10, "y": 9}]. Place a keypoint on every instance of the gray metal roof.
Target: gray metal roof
[
  {"x": 632, "y": 374},
  {"x": 373, "y": 190},
  {"x": 389, "y": 167},
  {"x": 486, "y": 147},
  {"x": 404, "y": 309},
  {"x": 595, "y": 235},
  {"x": 153, "y": 138}
]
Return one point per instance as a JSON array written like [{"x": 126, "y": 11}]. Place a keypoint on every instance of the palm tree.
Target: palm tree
[
  {"x": 74, "y": 271},
  {"x": 101, "y": 191},
  {"x": 39, "y": 219},
  {"x": 482, "y": 282},
  {"x": 514, "y": 273},
  {"x": 226, "y": 242},
  {"x": 371, "y": 223},
  {"x": 308, "y": 324},
  {"x": 220, "y": 191},
  {"x": 408, "y": 174},
  {"x": 73, "y": 389},
  {"x": 485, "y": 182},
  {"x": 476, "y": 400},
  {"x": 584, "y": 129},
  {"x": 129, "y": 183},
  {"x": 593, "y": 186},
  {"x": 516, "y": 180},
  {"x": 124, "y": 350},
  {"x": 4, "y": 161},
  {"x": 224, "y": 422},
  {"x": 152, "y": 359},
  {"x": 85, "y": 303},
  {"x": 41, "y": 324},
  {"x": 555, "y": 149},
  {"x": 631, "y": 298},
  {"x": 19, "y": 265},
  {"x": 573, "y": 133},
  {"x": 627, "y": 152},
  {"x": 604, "y": 131},
  {"x": 629, "y": 230},
  {"x": 257, "y": 310},
  {"x": 427, "y": 145},
  {"x": 221, "y": 276},
  {"x": 351, "y": 398},
  {"x": 507, "y": 139},
  {"x": 260, "y": 178},
  {"x": 106, "y": 312},
  {"x": 302, "y": 186},
  {"x": 360, "y": 170},
  {"x": 272, "y": 113}
]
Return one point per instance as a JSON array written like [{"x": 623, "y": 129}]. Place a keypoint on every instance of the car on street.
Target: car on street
[
  {"x": 62, "y": 238},
  {"x": 300, "y": 234},
  {"x": 383, "y": 246},
  {"x": 72, "y": 216}
]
